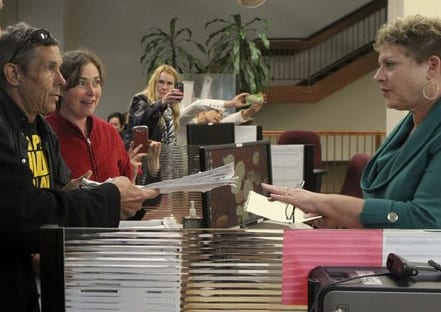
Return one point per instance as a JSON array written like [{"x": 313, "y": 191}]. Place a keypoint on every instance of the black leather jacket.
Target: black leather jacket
[{"x": 142, "y": 112}]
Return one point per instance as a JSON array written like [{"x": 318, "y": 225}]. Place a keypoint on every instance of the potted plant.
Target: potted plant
[
  {"x": 232, "y": 49},
  {"x": 171, "y": 48}
]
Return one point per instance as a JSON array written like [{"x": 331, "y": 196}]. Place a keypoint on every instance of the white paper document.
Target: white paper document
[
  {"x": 275, "y": 210},
  {"x": 86, "y": 183},
  {"x": 244, "y": 134},
  {"x": 198, "y": 182},
  {"x": 287, "y": 162}
]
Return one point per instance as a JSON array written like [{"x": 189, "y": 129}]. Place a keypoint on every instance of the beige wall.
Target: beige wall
[
  {"x": 8, "y": 13},
  {"x": 114, "y": 32},
  {"x": 358, "y": 106}
]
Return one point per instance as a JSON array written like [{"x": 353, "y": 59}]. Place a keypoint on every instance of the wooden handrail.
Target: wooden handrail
[
  {"x": 324, "y": 87},
  {"x": 277, "y": 133},
  {"x": 327, "y": 132},
  {"x": 379, "y": 136},
  {"x": 333, "y": 77}
]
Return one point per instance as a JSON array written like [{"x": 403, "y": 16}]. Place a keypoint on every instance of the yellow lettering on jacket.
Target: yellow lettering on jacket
[{"x": 38, "y": 162}]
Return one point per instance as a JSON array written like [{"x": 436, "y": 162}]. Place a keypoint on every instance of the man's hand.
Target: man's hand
[
  {"x": 150, "y": 193},
  {"x": 76, "y": 183},
  {"x": 132, "y": 197}
]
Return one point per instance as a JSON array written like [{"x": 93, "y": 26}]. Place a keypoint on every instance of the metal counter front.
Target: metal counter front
[{"x": 149, "y": 269}]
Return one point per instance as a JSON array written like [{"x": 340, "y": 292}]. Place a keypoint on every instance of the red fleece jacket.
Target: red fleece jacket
[{"x": 103, "y": 152}]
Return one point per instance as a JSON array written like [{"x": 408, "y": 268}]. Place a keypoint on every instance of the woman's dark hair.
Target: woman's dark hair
[
  {"x": 73, "y": 63},
  {"x": 117, "y": 115}
]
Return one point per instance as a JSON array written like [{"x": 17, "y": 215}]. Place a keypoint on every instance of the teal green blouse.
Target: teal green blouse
[{"x": 402, "y": 182}]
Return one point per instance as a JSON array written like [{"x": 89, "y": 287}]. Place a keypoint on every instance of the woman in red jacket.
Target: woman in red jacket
[{"x": 88, "y": 142}]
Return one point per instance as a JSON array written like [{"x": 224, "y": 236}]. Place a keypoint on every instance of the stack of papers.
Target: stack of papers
[
  {"x": 198, "y": 182},
  {"x": 86, "y": 183}
]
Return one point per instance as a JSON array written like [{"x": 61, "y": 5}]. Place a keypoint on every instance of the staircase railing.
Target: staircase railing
[{"x": 302, "y": 62}]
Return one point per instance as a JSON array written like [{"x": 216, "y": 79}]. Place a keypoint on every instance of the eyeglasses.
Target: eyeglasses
[
  {"x": 289, "y": 213},
  {"x": 39, "y": 35},
  {"x": 290, "y": 209}
]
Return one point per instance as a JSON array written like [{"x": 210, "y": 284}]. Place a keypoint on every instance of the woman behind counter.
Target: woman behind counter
[{"x": 402, "y": 182}]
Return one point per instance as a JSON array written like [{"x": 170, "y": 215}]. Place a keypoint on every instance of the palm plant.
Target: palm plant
[
  {"x": 170, "y": 48},
  {"x": 232, "y": 49}
]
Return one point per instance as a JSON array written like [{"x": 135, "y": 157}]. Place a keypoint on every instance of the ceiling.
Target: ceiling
[{"x": 286, "y": 18}]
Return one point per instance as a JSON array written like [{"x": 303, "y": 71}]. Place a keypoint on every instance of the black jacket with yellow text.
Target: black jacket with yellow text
[{"x": 25, "y": 208}]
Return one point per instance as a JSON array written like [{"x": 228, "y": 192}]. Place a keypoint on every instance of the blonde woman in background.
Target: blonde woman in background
[{"x": 157, "y": 107}]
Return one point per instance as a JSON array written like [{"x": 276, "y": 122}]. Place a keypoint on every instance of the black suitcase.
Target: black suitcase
[{"x": 367, "y": 289}]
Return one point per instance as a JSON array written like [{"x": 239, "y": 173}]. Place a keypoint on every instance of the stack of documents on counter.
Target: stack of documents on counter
[{"x": 198, "y": 182}]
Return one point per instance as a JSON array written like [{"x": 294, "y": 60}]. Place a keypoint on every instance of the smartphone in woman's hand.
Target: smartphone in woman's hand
[
  {"x": 140, "y": 135},
  {"x": 180, "y": 85}
]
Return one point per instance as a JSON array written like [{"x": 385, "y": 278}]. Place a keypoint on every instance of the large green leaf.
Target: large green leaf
[
  {"x": 170, "y": 47},
  {"x": 231, "y": 47}
]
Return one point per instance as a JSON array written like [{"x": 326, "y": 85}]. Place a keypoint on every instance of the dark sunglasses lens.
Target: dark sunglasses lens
[
  {"x": 38, "y": 35},
  {"x": 42, "y": 35}
]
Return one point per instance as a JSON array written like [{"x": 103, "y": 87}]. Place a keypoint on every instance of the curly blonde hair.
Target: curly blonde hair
[{"x": 419, "y": 35}]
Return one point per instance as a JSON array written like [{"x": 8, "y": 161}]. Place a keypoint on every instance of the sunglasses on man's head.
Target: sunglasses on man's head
[{"x": 36, "y": 36}]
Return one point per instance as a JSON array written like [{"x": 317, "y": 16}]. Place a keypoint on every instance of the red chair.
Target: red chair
[
  {"x": 307, "y": 137},
  {"x": 351, "y": 183}
]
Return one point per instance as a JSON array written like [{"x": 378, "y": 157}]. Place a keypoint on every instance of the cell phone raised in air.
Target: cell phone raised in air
[
  {"x": 179, "y": 85},
  {"x": 140, "y": 135}
]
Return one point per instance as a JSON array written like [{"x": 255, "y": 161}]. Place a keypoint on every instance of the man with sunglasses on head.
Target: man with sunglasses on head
[{"x": 35, "y": 185}]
